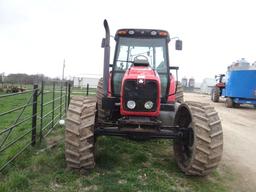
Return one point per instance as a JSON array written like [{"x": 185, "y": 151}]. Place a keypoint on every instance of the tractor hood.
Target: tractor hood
[
  {"x": 141, "y": 72},
  {"x": 140, "y": 84}
]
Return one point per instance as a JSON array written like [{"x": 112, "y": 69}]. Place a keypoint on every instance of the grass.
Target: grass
[
  {"x": 121, "y": 165},
  {"x": 83, "y": 91}
]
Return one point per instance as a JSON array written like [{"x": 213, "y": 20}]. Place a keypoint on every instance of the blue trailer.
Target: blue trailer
[{"x": 239, "y": 87}]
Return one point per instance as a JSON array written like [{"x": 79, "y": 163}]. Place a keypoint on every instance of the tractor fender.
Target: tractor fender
[{"x": 167, "y": 117}]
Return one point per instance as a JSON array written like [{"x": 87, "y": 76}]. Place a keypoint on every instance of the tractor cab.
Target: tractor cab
[
  {"x": 136, "y": 46},
  {"x": 220, "y": 79},
  {"x": 150, "y": 45},
  {"x": 141, "y": 55}
]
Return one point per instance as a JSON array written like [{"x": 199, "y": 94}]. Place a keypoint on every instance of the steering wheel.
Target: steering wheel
[{"x": 137, "y": 57}]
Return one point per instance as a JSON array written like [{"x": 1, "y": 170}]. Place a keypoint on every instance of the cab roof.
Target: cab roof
[{"x": 142, "y": 33}]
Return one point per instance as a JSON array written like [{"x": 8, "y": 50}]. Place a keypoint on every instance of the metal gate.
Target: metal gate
[{"x": 29, "y": 116}]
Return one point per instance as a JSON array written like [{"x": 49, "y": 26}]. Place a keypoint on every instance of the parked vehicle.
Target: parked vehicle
[
  {"x": 138, "y": 98},
  {"x": 238, "y": 86}
]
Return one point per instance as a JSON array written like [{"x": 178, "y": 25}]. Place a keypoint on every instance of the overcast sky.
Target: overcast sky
[{"x": 36, "y": 35}]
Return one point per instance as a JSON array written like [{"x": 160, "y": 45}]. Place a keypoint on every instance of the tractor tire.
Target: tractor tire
[
  {"x": 203, "y": 154},
  {"x": 229, "y": 103},
  {"x": 215, "y": 95},
  {"x": 102, "y": 114},
  {"x": 79, "y": 133},
  {"x": 179, "y": 93}
]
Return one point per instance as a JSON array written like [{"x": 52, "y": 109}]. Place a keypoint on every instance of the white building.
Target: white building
[
  {"x": 207, "y": 85},
  {"x": 83, "y": 81}
]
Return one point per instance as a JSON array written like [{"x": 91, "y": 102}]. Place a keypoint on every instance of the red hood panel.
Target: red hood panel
[{"x": 143, "y": 72}]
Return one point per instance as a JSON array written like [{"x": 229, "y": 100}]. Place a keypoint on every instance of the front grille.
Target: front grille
[{"x": 140, "y": 93}]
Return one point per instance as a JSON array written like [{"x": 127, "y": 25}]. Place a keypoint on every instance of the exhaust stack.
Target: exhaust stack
[{"x": 106, "y": 45}]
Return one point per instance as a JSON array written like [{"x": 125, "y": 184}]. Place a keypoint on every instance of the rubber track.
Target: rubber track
[
  {"x": 102, "y": 114},
  {"x": 208, "y": 142},
  {"x": 179, "y": 93},
  {"x": 79, "y": 136}
]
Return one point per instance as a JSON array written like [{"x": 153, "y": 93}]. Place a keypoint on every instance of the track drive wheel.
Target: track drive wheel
[
  {"x": 202, "y": 154},
  {"x": 79, "y": 133},
  {"x": 179, "y": 93},
  {"x": 215, "y": 95},
  {"x": 102, "y": 114},
  {"x": 229, "y": 102}
]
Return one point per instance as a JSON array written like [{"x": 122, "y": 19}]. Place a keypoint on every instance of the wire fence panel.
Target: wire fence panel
[
  {"x": 26, "y": 117},
  {"x": 89, "y": 90}
]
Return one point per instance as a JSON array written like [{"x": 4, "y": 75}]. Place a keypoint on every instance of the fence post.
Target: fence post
[
  {"x": 69, "y": 92},
  {"x": 66, "y": 95},
  {"x": 53, "y": 103},
  {"x": 34, "y": 114},
  {"x": 87, "y": 89},
  {"x": 42, "y": 110}
]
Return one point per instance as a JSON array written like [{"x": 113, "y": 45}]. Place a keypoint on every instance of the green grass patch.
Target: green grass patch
[{"x": 121, "y": 165}]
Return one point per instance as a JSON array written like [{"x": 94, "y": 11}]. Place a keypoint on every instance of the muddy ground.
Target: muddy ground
[{"x": 239, "y": 128}]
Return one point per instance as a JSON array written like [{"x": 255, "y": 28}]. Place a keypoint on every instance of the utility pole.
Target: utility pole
[
  {"x": 2, "y": 77},
  {"x": 63, "y": 69}
]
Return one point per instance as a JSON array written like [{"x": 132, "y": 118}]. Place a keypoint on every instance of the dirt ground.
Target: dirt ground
[{"x": 239, "y": 128}]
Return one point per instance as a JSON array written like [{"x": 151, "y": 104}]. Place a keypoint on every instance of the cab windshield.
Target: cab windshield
[{"x": 129, "y": 48}]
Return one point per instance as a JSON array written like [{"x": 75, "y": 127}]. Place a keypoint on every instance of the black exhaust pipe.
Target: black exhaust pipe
[{"x": 106, "y": 45}]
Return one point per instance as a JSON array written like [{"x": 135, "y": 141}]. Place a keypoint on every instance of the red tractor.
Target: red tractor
[
  {"x": 217, "y": 89},
  {"x": 138, "y": 98}
]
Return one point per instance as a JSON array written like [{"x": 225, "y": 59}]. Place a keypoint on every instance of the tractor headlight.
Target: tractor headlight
[
  {"x": 148, "y": 105},
  {"x": 131, "y": 32},
  {"x": 131, "y": 104}
]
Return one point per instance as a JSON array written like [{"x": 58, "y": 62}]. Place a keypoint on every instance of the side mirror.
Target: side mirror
[
  {"x": 103, "y": 42},
  {"x": 178, "y": 45}
]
